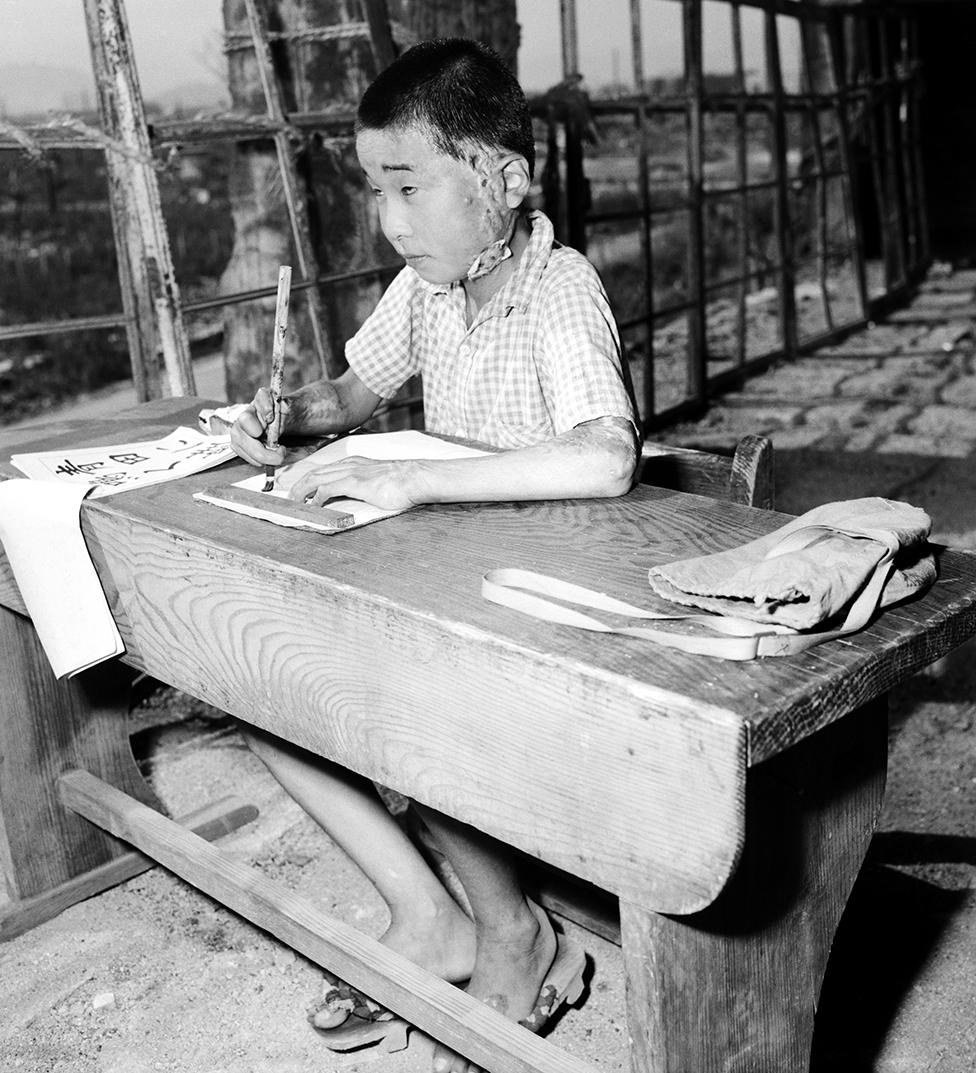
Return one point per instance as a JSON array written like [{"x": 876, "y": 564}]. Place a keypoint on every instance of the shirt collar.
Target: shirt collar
[
  {"x": 519, "y": 290},
  {"x": 524, "y": 284}
]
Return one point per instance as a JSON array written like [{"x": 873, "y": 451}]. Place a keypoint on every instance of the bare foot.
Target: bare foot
[
  {"x": 509, "y": 971},
  {"x": 442, "y": 943}
]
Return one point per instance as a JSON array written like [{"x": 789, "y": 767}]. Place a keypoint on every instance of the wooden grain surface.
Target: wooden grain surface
[
  {"x": 21, "y": 914},
  {"x": 46, "y": 725},
  {"x": 433, "y": 1005},
  {"x": 735, "y": 988},
  {"x": 618, "y": 761}
]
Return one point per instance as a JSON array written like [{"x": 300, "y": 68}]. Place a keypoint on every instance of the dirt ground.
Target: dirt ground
[{"x": 153, "y": 975}]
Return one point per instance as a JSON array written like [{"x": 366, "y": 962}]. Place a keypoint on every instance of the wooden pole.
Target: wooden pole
[
  {"x": 150, "y": 294},
  {"x": 436, "y": 1007}
]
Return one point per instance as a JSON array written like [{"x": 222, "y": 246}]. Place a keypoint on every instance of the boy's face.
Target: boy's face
[{"x": 438, "y": 212}]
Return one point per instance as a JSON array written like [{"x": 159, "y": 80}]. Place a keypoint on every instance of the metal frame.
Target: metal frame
[
  {"x": 863, "y": 120},
  {"x": 866, "y": 114}
]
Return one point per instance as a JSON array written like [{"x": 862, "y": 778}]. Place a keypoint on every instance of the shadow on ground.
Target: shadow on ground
[
  {"x": 893, "y": 934},
  {"x": 945, "y": 487}
]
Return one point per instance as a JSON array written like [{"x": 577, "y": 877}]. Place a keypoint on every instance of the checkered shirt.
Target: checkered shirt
[{"x": 542, "y": 356}]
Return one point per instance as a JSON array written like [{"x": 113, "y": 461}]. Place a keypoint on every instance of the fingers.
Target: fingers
[
  {"x": 263, "y": 407},
  {"x": 248, "y": 432},
  {"x": 321, "y": 484},
  {"x": 304, "y": 488},
  {"x": 381, "y": 483}
]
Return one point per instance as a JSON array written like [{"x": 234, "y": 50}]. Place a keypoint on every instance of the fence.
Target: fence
[
  {"x": 737, "y": 218},
  {"x": 741, "y": 218}
]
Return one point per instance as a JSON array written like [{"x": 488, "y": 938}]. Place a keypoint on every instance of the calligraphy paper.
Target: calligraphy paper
[
  {"x": 41, "y": 533},
  {"x": 389, "y": 446},
  {"x": 120, "y": 467}
]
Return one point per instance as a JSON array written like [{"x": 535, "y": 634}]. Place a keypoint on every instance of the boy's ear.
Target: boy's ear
[{"x": 515, "y": 174}]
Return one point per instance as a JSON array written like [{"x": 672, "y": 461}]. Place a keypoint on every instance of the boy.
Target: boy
[{"x": 517, "y": 347}]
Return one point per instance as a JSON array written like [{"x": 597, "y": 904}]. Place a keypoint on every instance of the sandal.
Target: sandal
[
  {"x": 366, "y": 1022},
  {"x": 562, "y": 986}
]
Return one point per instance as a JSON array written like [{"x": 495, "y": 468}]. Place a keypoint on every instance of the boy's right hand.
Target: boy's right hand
[{"x": 248, "y": 432}]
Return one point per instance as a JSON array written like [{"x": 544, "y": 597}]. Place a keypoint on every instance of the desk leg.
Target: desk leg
[
  {"x": 46, "y": 728},
  {"x": 734, "y": 988}
]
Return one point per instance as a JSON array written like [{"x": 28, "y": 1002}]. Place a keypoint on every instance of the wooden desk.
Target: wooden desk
[{"x": 727, "y": 805}]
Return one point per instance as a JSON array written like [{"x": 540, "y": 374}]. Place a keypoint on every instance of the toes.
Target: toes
[
  {"x": 328, "y": 1018},
  {"x": 446, "y": 1061}
]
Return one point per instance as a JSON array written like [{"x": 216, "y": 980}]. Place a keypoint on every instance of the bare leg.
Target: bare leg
[
  {"x": 426, "y": 924},
  {"x": 516, "y": 942}
]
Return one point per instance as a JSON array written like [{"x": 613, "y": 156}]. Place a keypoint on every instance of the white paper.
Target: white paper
[
  {"x": 41, "y": 534},
  {"x": 392, "y": 446},
  {"x": 217, "y": 422},
  {"x": 119, "y": 467}
]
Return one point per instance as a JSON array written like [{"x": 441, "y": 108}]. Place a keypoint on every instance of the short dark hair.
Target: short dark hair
[{"x": 461, "y": 91}]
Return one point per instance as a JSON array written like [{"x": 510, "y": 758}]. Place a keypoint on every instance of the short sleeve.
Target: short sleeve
[
  {"x": 383, "y": 353},
  {"x": 580, "y": 366}
]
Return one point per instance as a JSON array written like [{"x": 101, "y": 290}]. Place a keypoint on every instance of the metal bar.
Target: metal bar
[
  {"x": 909, "y": 150},
  {"x": 778, "y": 150},
  {"x": 874, "y": 152},
  {"x": 637, "y": 45},
  {"x": 694, "y": 89},
  {"x": 741, "y": 159},
  {"x": 855, "y": 231},
  {"x": 729, "y": 102},
  {"x": 294, "y": 197},
  {"x": 569, "y": 37},
  {"x": 62, "y": 327},
  {"x": 380, "y": 35},
  {"x": 914, "y": 138},
  {"x": 181, "y": 132},
  {"x": 820, "y": 176},
  {"x": 891, "y": 151},
  {"x": 647, "y": 255},
  {"x": 118, "y": 320}
]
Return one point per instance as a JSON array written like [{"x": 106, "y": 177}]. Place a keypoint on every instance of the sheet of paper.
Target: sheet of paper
[
  {"x": 381, "y": 445},
  {"x": 119, "y": 467},
  {"x": 41, "y": 534},
  {"x": 218, "y": 422}
]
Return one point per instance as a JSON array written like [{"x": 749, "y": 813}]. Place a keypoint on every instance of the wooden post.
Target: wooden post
[
  {"x": 46, "y": 727},
  {"x": 735, "y": 987},
  {"x": 146, "y": 276}
]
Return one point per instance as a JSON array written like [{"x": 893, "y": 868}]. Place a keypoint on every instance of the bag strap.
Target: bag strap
[{"x": 742, "y": 639}]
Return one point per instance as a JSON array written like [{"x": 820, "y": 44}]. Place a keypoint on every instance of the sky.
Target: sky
[{"x": 178, "y": 41}]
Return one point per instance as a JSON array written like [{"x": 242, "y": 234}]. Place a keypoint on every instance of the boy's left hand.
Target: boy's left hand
[{"x": 383, "y": 484}]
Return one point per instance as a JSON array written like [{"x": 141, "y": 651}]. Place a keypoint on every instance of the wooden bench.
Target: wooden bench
[
  {"x": 725, "y": 808},
  {"x": 745, "y": 476}
]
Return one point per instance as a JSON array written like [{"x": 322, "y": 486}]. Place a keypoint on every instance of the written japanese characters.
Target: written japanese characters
[{"x": 116, "y": 468}]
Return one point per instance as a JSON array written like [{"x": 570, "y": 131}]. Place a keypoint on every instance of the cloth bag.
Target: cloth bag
[{"x": 821, "y": 576}]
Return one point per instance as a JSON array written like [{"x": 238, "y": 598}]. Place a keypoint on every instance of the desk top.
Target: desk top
[{"x": 466, "y": 699}]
